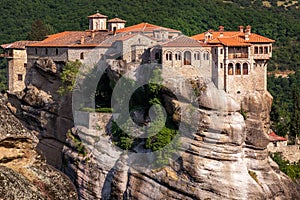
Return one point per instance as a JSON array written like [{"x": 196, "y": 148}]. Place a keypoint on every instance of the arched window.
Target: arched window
[
  {"x": 168, "y": 56},
  {"x": 197, "y": 55},
  {"x": 187, "y": 58},
  {"x": 245, "y": 69},
  {"x": 177, "y": 56},
  {"x": 238, "y": 69},
  {"x": 81, "y": 56},
  {"x": 205, "y": 56},
  {"x": 230, "y": 69}
]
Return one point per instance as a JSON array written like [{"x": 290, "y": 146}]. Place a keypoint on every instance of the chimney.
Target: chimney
[
  {"x": 248, "y": 30},
  {"x": 82, "y": 40},
  {"x": 221, "y": 28},
  {"x": 241, "y": 28}
]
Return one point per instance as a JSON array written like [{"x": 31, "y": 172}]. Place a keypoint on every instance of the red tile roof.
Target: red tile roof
[
  {"x": 182, "y": 41},
  {"x": 18, "y": 44},
  {"x": 73, "y": 39},
  {"x": 97, "y": 15},
  {"x": 233, "y": 38},
  {"x": 144, "y": 27},
  {"x": 275, "y": 138},
  {"x": 116, "y": 20}
]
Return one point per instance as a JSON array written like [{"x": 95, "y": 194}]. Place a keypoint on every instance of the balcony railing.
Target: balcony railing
[
  {"x": 261, "y": 56},
  {"x": 238, "y": 55}
]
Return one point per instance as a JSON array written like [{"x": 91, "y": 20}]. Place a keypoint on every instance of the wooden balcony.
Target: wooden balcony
[
  {"x": 238, "y": 55},
  {"x": 261, "y": 56}
]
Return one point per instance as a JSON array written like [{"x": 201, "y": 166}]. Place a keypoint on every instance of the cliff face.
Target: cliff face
[
  {"x": 23, "y": 172},
  {"x": 225, "y": 157}
]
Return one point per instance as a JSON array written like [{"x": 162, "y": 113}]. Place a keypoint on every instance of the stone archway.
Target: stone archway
[{"x": 187, "y": 58}]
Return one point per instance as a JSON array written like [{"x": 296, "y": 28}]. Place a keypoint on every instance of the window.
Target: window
[
  {"x": 197, "y": 56},
  {"x": 20, "y": 77},
  {"x": 35, "y": 51},
  {"x": 56, "y": 51},
  {"x": 216, "y": 51},
  {"x": 230, "y": 69},
  {"x": 25, "y": 65},
  {"x": 177, "y": 56},
  {"x": 261, "y": 50},
  {"x": 255, "y": 50},
  {"x": 238, "y": 69},
  {"x": 81, "y": 56},
  {"x": 221, "y": 65},
  {"x": 169, "y": 56},
  {"x": 221, "y": 51},
  {"x": 266, "y": 50},
  {"x": 187, "y": 58},
  {"x": 46, "y": 51},
  {"x": 245, "y": 69},
  {"x": 205, "y": 56}
]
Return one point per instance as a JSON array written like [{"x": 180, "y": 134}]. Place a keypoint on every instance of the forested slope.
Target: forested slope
[{"x": 191, "y": 17}]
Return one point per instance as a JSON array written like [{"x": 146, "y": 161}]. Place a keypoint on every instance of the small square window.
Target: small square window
[
  {"x": 25, "y": 65},
  {"x": 20, "y": 77}
]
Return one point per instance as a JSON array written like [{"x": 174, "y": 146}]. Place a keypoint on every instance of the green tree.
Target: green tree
[
  {"x": 295, "y": 116},
  {"x": 68, "y": 76},
  {"x": 38, "y": 31}
]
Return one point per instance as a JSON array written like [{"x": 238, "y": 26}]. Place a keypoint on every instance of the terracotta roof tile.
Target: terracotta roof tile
[
  {"x": 18, "y": 44},
  {"x": 233, "y": 38},
  {"x": 72, "y": 39},
  {"x": 274, "y": 138},
  {"x": 97, "y": 15},
  {"x": 182, "y": 41},
  {"x": 144, "y": 27},
  {"x": 116, "y": 20}
]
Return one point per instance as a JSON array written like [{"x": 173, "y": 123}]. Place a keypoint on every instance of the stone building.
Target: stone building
[
  {"x": 239, "y": 59},
  {"x": 15, "y": 53},
  {"x": 236, "y": 61}
]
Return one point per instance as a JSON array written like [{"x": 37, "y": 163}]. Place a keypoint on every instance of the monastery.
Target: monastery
[{"x": 236, "y": 61}]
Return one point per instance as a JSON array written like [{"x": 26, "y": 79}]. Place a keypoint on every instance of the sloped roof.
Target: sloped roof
[
  {"x": 144, "y": 27},
  {"x": 18, "y": 44},
  {"x": 233, "y": 38},
  {"x": 182, "y": 41},
  {"x": 97, "y": 15},
  {"x": 275, "y": 138},
  {"x": 72, "y": 39},
  {"x": 116, "y": 20}
]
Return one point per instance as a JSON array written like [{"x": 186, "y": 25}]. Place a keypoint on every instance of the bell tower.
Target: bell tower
[{"x": 97, "y": 22}]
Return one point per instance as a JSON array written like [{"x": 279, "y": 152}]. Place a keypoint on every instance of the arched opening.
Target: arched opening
[
  {"x": 245, "y": 69},
  {"x": 168, "y": 56},
  {"x": 205, "y": 56},
  {"x": 230, "y": 69},
  {"x": 197, "y": 55},
  {"x": 156, "y": 56},
  {"x": 56, "y": 51},
  {"x": 238, "y": 69},
  {"x": 187, "y": 58},
  {"x": 177, "y": 56},
  {"x": 81, "y": 56}
]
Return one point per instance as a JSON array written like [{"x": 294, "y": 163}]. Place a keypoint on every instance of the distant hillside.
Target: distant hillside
[{"x": 279, "y": 23}]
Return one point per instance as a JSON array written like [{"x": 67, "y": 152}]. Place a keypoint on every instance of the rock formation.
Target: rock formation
[
  {"x": 24, "y": 173},
  {"x": 224, "y": 157}
]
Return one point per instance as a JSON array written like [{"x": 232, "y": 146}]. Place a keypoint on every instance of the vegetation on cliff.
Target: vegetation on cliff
[{"x": 290, "y": 169}]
